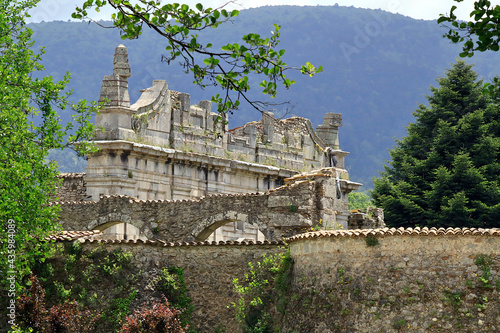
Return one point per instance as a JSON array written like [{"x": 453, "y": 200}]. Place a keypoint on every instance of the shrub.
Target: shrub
[
  {"x": 67, "y": 317},
  {"x": 160, "y": 318}
]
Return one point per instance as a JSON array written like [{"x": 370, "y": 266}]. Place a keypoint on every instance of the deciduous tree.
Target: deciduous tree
[
  {"x": 481, "y": 33},
  {"x": 29, "y": 128}
]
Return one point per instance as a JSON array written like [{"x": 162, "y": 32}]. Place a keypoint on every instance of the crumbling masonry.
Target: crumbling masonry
[{"x": 164, "y": 149}]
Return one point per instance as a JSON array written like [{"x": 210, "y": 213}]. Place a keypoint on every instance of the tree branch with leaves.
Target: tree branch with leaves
[
  {"x": 228, "y": 68},
  {"x": 482, "y": 33}
]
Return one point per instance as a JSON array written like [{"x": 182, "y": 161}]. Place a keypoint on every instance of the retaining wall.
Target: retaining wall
[{"x": 390, "y": 280}]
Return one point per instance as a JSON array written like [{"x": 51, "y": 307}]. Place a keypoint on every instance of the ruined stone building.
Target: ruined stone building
[
  {"x": 204, "y": 196},
  {"x": 165, "y": 148}
]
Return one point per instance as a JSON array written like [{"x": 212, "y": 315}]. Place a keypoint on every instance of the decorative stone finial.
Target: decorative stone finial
[
  {"x": 329, "y": 130},
  {"x": 115, "y": 87},
  {"x": 120, "y": 62}
]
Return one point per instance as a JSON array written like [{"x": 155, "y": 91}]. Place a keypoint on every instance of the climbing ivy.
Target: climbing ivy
[{"x": 264, "y": 286}]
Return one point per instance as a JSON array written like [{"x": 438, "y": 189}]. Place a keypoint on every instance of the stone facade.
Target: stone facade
[
  {"x": 305, "y": 201},
  {"x": 164, "y": 148}
]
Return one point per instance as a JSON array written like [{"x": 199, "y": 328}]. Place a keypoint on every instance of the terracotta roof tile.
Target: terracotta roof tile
[
  {"x": 400, "y": 231},
  {"x": 74, "y": 235},
  {"x": 71, "y": 175},
  {"x": 94, "y": 236}
]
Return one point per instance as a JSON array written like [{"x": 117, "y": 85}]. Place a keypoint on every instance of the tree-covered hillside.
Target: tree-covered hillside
[{"x": 377, "y": 67}]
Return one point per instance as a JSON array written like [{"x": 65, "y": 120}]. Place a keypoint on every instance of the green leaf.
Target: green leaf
[{"x": 442, "y": 19}]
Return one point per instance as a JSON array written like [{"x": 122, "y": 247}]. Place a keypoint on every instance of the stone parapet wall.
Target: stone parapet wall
[
  {"x": 305, "y": 201},
  {"x": 73, "y": 187},
  {"x": 209, "y": 271},
  {"x": 418, "y": 280}
]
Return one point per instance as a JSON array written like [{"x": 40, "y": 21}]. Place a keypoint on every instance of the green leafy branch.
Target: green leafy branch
[
  {"x": 480, "y": 34},
  {"x": 227, "y": 68}
]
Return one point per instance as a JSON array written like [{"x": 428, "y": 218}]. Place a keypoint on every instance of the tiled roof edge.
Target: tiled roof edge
[
  {"x": 71, "y": 175},
  {"x": 396, "y": 232},
  {"x": 134, "y": 200},
  {"x": 72, "y": 235},
  {"x": 85, "y": 237}
]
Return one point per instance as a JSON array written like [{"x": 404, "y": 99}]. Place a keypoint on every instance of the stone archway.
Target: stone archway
[{"x": 230, "y": 219}]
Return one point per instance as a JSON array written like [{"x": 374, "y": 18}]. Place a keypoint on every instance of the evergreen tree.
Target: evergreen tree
[{"x": 445, "y": 172}]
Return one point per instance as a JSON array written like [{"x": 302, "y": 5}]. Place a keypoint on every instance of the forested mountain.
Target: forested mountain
[{"x": 377, "y": 67}]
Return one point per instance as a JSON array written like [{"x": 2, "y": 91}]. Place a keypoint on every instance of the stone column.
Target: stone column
[{"x": 268, "y": 126}]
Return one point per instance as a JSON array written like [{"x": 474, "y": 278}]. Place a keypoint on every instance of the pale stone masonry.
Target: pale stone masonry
[
  {"x": 395, "y": 280},
  {"x": 302, "y": 203},
  {"x": 164, "y": 148}
]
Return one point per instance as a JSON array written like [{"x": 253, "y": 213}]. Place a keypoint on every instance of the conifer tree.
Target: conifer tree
[{"x": 445, "y": 172}]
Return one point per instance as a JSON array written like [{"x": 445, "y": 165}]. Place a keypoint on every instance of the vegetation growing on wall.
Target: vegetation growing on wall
[
  {"x": 99, "y": 289},
  {"x": 263, "y": 301}
]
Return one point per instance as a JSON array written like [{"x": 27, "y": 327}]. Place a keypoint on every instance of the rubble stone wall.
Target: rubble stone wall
[
  {"x": 396, "y": 282},
  {"x": 344, "y": 281},
  {"x": 187, "y": 220},
  {"x": 72, "y": 188},
  {"x": 209, "y": 271},
  {"x": 305, "y": 201}
]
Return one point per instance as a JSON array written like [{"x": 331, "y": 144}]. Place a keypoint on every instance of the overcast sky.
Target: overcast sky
[{"x": 49, "y": 10}]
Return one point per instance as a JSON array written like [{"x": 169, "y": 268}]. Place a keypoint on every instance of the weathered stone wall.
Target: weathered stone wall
[
  {"x": 306, "y": 201},
  {"x": 409, "y": 280},
  {"x": 73, "y": 187},
  {"x": 163, "y": 147},
  {"x": 209, "y": 271},
  {"x": 382, "y": 280}
]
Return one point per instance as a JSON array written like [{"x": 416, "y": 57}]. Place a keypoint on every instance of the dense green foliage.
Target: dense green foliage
[
  {"x": 446, "y": 171},
  {"x": 29, "y": 127},
  {"x": 480, "y": 34},
  {"x": 359, "y": 201},
  {"x": 374, "y": 80},
  {"x": 100, "y": 289}
]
